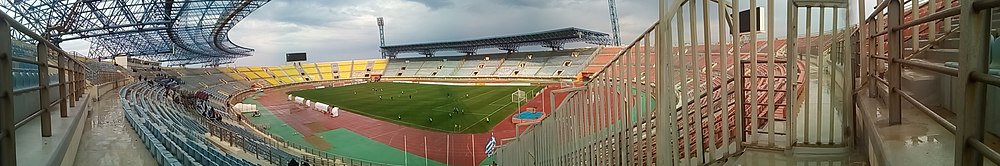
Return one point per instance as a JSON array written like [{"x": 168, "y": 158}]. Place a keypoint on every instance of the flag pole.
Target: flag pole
[
  {"x": 405, "y": 161},
  {"x": 473, "y": 149},
  {"x": 426, "y": 155},
  {"x": 447, "y": 154}
]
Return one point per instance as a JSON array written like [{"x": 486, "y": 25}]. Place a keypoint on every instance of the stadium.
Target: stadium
[{"x": 709, "y": 82}]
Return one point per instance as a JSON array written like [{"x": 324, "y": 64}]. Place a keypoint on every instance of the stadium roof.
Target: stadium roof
[
  {"x": 553, "y": 39},
  {"x": 178, "y": 32}
]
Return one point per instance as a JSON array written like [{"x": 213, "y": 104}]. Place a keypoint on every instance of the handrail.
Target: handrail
[
  {"x": 987, "y": 152},
  {"x": 934, "y": 116},
  {"x": 986, "y": 78},
  {"x": 625, "y": 50},
  {"x": 985, "y": 4},
  {"x": 932, "y": 17},
  {"x": 932, "y": 43},
  {"x": 936, "y": 68},
  {"x": 878, "y": 10}
]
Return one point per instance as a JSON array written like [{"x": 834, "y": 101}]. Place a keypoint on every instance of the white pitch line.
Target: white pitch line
[
  {"x": 447, "y": 111},
  {"x": 484, "y": 118}
]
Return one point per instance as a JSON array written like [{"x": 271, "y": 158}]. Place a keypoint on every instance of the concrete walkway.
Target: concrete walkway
[{"x": 108, "y": 139}]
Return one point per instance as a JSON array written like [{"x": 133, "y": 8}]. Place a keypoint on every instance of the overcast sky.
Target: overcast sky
[
  {"x": 334, "y": 30},
  {"x": 346, "y": 29}
]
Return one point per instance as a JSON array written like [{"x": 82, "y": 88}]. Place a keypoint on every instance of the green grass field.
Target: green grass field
[{"x": 417, "y": 104}]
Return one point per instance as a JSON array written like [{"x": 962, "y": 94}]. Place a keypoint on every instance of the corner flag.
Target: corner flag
[{"x": 491, "y": 145}]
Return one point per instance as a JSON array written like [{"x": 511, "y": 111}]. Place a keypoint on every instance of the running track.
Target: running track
[{"x": 453, "y": 149}]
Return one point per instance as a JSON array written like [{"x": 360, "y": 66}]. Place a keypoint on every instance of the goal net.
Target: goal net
[{"x": 518, "y": 96}]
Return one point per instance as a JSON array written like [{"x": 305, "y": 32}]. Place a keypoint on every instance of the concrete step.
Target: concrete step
[{"x": 938, "y": 55}]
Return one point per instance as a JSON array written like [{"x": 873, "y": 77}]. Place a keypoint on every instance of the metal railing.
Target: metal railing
[
  {"x": 698, "y": 116},
  {"x": 884, "y": 63},
  {"x": 49, "y": 61}
]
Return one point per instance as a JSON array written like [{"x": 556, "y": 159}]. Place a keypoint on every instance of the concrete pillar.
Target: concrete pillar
[
  {"x": 895, "y": 52},
  {"x": 8, "y": 154},
  {"x": 62, "y": 86},
  {"x": 43, "y": 88},
  {"x": 71, "y": 88},
  {"x": 974, "y": 46}
]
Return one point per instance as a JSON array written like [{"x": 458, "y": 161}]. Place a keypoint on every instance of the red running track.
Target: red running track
[{"x": 465, "y": 149}]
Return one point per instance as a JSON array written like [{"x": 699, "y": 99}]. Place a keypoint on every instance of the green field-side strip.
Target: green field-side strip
[{"x": 424, "y": 106}]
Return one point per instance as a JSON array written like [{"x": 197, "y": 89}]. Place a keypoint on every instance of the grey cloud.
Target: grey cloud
[
  {"x": 346, "y": 30},
  {"x": 434, "y": 4},
  {"x": 545, "y": 3}
]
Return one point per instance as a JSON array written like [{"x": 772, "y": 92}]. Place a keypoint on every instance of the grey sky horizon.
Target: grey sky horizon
[{"x": 346, "y": 29}]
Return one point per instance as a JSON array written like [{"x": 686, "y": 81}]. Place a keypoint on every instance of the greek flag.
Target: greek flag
[{"x": 490, "y": 146}]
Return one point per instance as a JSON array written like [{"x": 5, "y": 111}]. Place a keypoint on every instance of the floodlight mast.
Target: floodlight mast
[
  {"x": 614, "y": 23},
  {"x": 381, "y": 36}
]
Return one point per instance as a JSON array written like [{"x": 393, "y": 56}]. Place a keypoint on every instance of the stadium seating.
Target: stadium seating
[
  {"x": 562, "y": 63},
  {"x": 172, "y": 135}
]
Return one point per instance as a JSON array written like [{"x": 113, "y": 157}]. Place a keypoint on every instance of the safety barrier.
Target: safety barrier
[
  {"x": 37, "y": 77},
  {"x": 884, "y": 60}
]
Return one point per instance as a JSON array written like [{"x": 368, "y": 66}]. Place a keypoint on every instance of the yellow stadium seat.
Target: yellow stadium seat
[
  {"x": 326, "y": 70},
  {"x": 344, "y": 69}
]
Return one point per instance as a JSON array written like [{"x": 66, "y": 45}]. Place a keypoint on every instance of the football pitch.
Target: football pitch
[{"x": 446, "y": 108}]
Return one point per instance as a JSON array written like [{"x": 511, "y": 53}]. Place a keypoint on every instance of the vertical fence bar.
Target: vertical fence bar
[
  {"x": 738, "y": 78},
  {"x": 791, "y": 73},
  {"x": 621, "y": 112},
  {"x": 872, "y": 51},
  {"x": 914, "y": 30},
  {"x": 684, "y": 96},
  {"x": 724, "y": 76},
  {"x": 7, "y": 146},
  {"x": 807, "y": 72},
  {"x": 847, "y": 94},
  {"x": 709, "y": 95},
  {"x": 621, "y": 108},
  {"x": 591, "y": 133},
  {"x": 42, "y": 52},
  {"x": 770, "y": 74},
  {"x": 73, "y": 84},
  {"x": 694, "y": 69},
  {"x": 627, "y": 65},
  {"x": 974, "y": 41},
  {"x": 821, "y": 68},
  {"x": 754, "y": 96},
  {"x": 647, "y": 95},
  {"x": 895, "y": 48},
  {"x": 832, "y": 87},
  {"x": 666, "y": 151}
]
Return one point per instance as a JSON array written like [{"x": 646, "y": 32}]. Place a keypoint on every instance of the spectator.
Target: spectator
[{"x": 293, "y": 163}]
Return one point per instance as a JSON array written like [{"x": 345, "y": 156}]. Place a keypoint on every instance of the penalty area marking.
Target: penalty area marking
[{"x": 484, "y": 118}]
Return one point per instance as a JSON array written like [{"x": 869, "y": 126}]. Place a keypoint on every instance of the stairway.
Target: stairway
[{"x": 932, "y": 88}]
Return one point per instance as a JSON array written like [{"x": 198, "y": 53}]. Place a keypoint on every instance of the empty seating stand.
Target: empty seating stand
[
  {"x": 562, "y": 63},
  {"x": 174, "y": 136}
]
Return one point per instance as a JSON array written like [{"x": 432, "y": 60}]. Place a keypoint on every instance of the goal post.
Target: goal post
[{"x": 518, "y": 97}]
